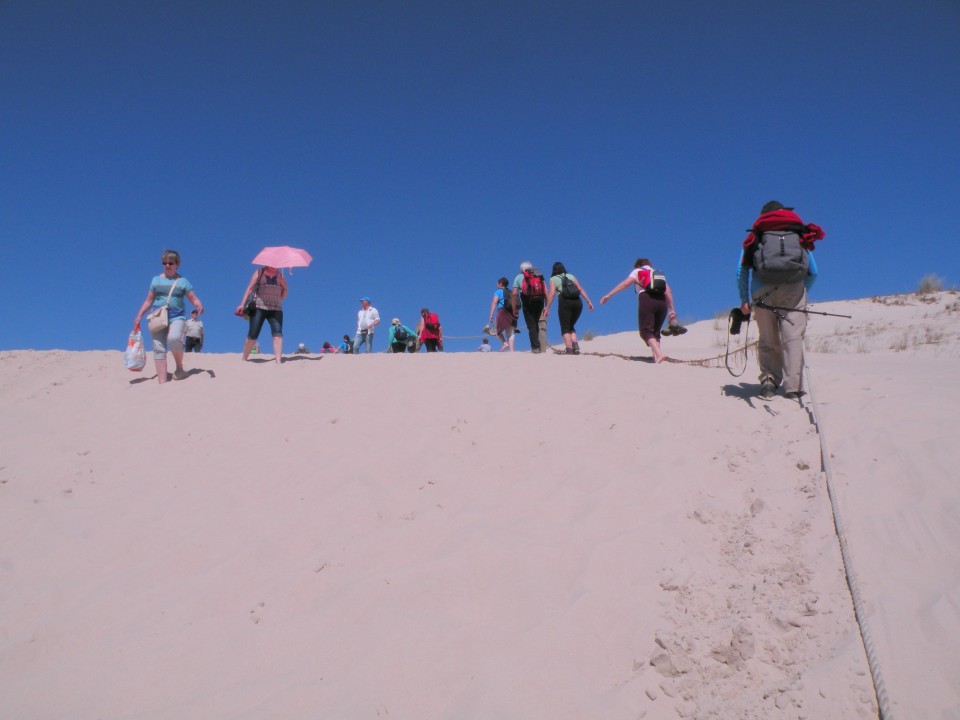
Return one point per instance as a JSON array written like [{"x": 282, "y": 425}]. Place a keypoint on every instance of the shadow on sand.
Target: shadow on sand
[
  {"x": 187, "y": 375},
  {"x": 299, "y": 358}
]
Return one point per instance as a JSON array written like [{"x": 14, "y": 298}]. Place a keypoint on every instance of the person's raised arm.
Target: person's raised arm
[{"x": 620, "y": 287}]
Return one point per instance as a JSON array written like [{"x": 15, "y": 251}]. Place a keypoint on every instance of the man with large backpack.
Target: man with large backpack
[
  {"x": 775, "y": 271},
  {"x": 530, "y": 291}
]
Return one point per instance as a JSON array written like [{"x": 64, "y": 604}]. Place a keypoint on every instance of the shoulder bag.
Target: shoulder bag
[
  {"x": 251, "y": 307},
  {"x": 159, "y": 319}
]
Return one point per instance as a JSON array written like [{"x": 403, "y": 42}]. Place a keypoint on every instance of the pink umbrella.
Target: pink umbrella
[{"x": 283, "y": 256}]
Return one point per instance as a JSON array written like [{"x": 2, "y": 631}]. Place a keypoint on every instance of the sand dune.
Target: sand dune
[{"x": 473, "y": 535}]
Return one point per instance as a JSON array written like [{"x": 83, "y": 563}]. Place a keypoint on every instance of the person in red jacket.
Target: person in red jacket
[{"x": 429, "y": 330}]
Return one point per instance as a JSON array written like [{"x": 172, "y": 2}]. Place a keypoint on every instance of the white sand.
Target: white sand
[{"x": 484, "y": 535}]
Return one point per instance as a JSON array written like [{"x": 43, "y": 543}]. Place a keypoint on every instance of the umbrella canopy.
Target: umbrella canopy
[{"x": 283, "y": 256}]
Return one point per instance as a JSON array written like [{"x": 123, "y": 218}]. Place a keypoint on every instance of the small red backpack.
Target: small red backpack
[{"x": 533, "y": 284}]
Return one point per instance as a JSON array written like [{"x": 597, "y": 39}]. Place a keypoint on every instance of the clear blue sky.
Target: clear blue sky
[{"x": 420, "y": 150}]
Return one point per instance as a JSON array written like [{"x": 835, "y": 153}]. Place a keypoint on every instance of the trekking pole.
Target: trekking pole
[{"x": 775, "y": 308}]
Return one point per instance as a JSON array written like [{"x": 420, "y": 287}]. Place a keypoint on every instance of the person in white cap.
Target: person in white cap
[
  {"x": 530, "y": 291},
  {"x": 401, "y": 338}
]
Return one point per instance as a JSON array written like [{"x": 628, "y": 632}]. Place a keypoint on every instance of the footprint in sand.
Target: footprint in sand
[{"x": 255, "y": 613}]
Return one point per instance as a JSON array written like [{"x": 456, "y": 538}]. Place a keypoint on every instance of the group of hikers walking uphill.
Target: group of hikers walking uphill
[
  {"x": 776, "y": 268},
  {"x": 532, "y": 294},
  {"x": 774, "y": 272}
]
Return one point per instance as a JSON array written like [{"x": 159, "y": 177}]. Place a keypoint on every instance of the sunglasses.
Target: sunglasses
[{"x": 168, "y": 263}]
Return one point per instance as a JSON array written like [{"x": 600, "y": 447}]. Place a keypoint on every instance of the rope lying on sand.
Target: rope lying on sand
[
  {"x": 715, "y": 361},
  {"x": 879, "y": 686}
]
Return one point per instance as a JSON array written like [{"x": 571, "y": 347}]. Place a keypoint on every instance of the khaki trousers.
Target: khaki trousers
[{"x": 780, "y": 351}]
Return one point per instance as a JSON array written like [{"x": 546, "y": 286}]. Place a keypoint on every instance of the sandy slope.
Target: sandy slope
[{"x": 482, "y": 536}]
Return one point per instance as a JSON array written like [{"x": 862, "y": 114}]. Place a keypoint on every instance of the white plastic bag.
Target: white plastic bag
[{"x": 135, "y": 357}]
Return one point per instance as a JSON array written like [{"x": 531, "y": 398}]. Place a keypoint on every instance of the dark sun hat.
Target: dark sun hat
[{"x": 771, "y": 206}]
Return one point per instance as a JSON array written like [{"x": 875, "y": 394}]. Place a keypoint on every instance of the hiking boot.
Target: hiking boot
[
  {"x": 767, "y": 389},
  {"x": 794, "y": 394},
  {"x": 569, "y": 351},
  {"x": 576, "y": 348}
]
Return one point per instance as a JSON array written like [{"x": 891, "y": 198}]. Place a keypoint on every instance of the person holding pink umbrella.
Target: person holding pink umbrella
[
  {"x": 267, "y": 291},
  {"x": 264, "y": 296}
]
